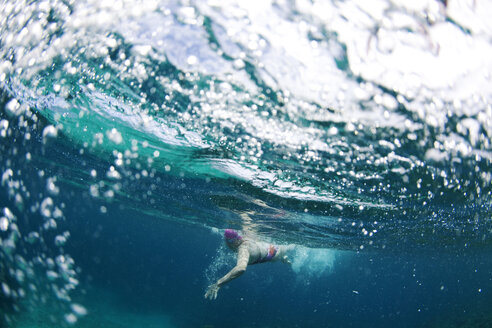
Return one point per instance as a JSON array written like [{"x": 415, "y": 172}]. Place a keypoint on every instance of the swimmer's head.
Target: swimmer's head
[{"x": 232, "y": 237}]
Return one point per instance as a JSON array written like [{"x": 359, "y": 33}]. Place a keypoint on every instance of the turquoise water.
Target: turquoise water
[{"x": 133, "y": 133}]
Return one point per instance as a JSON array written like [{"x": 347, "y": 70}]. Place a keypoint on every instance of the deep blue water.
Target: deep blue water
[
  {"x": 132, "y": 134},
  {"x": 146, "y": 263}
]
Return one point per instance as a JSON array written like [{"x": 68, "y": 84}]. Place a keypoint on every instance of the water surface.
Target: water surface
[{"x": 132, "y": 133}]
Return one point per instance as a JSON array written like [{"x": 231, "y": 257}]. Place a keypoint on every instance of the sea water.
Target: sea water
[{"x": 132, "y": 133}]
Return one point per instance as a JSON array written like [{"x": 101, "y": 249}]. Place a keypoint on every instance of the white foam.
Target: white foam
[{"x": 313, "y": 262}]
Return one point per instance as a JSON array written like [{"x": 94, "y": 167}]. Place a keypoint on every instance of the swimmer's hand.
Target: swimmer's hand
[{"x": 212, "y": 291}]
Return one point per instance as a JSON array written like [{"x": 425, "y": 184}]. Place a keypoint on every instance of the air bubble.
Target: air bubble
[
  {"x": 4, "y": 223},
  {"x": 94, "y": 190},
  {"x": 4, "y": 125},
  {"x": 70, "y": 318},
  {"x": 49, "y": 132},
  {"x": 192, "y": 60},
  {"x": 79, "y": 309},
  {"x": 5, "y": 289},
  {"x": 238, "y": 64},
  {"x": 46, "y": 205},
  {"x": 52, "y": 275},
  {"x": 32, "y": 237},
  {"x": 113, "y": 174},
  {"x": 7, "y": 175},
  {"x": 60, "y": 240},
  {"x": 50, "y": 224},
  {"x": 115, "y": 136},
  {"x": 13, "y": 108},
  {"x": 51, "y": 187}
]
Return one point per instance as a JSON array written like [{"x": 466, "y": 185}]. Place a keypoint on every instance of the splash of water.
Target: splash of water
[{"x": 313, "y": 262}]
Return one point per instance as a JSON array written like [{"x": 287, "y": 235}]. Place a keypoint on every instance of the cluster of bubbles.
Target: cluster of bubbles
[
  {"x": 295, "y": 96},
  {"x": 221, "y": 263},
  {"x": 34, "y": 268},
  {"x": 369, "y": 118}
]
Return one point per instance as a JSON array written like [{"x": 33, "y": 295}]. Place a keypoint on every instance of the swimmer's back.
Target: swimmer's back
[{"x": 260, "y": 252}]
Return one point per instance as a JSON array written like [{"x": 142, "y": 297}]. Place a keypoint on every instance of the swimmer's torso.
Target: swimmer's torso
[{"x": 260, "y": 252}]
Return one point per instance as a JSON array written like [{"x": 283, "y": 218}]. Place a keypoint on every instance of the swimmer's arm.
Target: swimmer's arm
[{"x": 242, "y": 263}]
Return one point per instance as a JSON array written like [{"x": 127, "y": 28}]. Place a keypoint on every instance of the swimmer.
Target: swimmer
[{"x": 249, "y": 251}]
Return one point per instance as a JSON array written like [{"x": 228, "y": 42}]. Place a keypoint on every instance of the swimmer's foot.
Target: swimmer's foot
[{"x": 286, "y": 259}]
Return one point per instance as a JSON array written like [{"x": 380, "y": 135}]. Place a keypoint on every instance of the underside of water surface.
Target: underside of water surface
[{"x": 358, "y": 126}]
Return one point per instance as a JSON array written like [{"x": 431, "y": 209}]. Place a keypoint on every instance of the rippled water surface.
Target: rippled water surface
[{"x": 356, "y": 126}]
